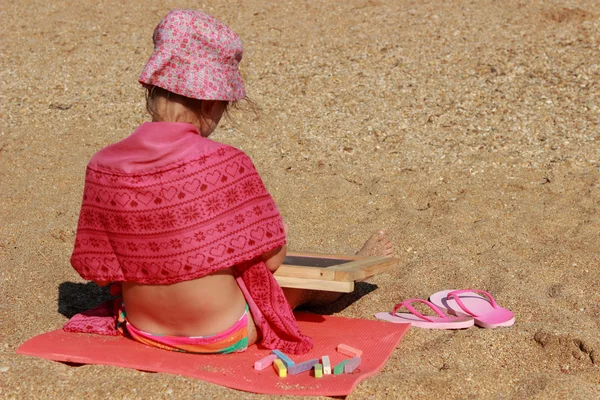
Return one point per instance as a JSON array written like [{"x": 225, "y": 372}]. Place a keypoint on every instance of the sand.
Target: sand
[{"x": 468, "y": 130}]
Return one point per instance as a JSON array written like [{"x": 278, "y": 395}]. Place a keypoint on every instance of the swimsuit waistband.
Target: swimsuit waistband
[{"x": 233, "y": 339}]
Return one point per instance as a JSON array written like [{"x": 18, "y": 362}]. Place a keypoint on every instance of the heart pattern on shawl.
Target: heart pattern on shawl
[
  {"x": 122, "y": 198},
  {"x": 169, "y": 193},
  {"x": 145, "y": 198},
  {"x": 196, "y": 260},
  {"x": 213, "y": 177},
  {"x": 232, "y": 169},
  {"x": 218, "y": 251},
  {"x": 104, "y": 196},
  {"x": 192, "y": 187},
  {"x": 239, "y": 242},
  {"x": 257, "y": 233}
]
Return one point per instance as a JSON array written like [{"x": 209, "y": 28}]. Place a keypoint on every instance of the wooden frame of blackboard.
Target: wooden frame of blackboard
[{"x": 330, "y": 272}]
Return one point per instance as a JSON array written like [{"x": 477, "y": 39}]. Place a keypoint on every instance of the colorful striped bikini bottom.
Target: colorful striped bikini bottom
[{"x": 234, "y": 339}]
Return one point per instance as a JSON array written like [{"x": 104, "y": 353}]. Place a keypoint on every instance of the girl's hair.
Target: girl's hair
[{"x": 194, "y": 105}]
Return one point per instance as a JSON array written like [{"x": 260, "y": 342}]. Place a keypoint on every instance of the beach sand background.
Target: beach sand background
[{"x": 468, "y": 130}]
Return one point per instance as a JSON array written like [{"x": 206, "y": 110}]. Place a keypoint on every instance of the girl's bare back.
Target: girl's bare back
[{"x": 200, "y": 307}]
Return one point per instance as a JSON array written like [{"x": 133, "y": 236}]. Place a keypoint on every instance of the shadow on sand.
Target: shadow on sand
[
  {"x": 360, "y": 289},
  {"x": 74, "y": 298}
]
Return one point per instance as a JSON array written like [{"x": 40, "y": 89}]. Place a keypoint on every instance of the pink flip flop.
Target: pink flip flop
[
  {"x": 467, "y": 303},
  {"x": 415, "y": 318}
]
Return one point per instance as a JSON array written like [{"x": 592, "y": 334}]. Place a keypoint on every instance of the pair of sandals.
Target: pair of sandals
[{"x": 455, "y": 309}]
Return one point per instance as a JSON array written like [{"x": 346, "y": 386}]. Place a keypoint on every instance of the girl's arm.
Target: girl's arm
[{"x": 274, "y": 258}]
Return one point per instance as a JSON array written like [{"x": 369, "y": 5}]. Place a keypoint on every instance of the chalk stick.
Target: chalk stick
[
  {"x": 265, "y": 362},
  {"x": 351, "y": 365},
  {"x": 318, "y": 371},
  {"x": 286, "y": 360},
  {"x": 348, "y": 350},
  {"x": 326, "y": 365},
  {"x": 339, "y": 369},
  {"x": 303, "y": 366},
  {"x": 280, "y": 368}
]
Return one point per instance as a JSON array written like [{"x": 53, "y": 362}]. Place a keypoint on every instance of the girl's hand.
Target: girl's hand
[{"x": 274, "y": 258}]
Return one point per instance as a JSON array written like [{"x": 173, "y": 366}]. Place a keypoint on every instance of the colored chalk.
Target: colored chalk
[
  {"x": 339, "y": 369},
  {"x": 280, "y": 368},
  {"x": 303, "y": 366},
  {"x": 351, "y": 365},
  {"x": 318, "y": 371},
  {"x": 286, "y": 360},
  {"x": 348, "y": 350},
  {"x": 326, "y": 365},
  {"x": 265, "y": 362}
]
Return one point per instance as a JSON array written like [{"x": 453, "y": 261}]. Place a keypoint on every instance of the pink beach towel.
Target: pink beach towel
[{"x": 376, "y": 339}]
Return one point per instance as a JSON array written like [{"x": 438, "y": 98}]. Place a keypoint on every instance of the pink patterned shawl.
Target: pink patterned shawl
[{"x": 166, "y": 205}]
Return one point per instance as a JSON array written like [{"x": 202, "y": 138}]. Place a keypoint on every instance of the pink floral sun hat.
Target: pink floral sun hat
[{"x": 195, "y": 56}]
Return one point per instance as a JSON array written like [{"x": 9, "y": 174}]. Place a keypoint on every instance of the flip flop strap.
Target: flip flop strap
[
  {"x": 406, "y": 304},
  {"x": 456, "y": 297}
]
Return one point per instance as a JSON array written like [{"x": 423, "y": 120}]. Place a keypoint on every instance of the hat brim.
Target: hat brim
[{"x": 179, "y": 74}]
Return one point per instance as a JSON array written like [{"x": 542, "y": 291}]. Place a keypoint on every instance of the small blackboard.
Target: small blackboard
[
  {"x": 330, "y": 272},
  {"x": 313, "y": 261}
]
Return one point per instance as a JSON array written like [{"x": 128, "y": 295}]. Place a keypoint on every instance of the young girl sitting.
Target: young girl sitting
[{"x": 184, "y": 223}]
